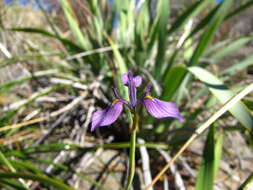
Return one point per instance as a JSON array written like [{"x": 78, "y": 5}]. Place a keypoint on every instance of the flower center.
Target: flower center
[{"x": 149, "y": 97}]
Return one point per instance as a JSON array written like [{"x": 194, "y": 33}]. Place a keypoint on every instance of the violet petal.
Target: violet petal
[
  {"x": 161, "y": 109},
  {"x": 128, "y": 77},
  {"x": 124, "y": 78},
  {"x": 137, "y": 81},
  {"x": 107, "y": 116}
]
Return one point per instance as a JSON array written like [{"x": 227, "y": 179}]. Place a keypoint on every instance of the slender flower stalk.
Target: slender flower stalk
[
  {"x": 155, "y": 107},
  {"x": 131, "y": 171}
]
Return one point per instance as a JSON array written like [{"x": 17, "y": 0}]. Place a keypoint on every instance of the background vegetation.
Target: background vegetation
[{"x": 58, "y": 67}]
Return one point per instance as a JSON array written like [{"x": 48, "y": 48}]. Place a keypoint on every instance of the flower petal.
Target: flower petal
[
  {"x": 107, "y": 116},
  {"x": 161, "y": 109},
  {"x": 124, "y": 78},
  {"x": 128, "y": 78},
  {"x": 137, "y": 81}
]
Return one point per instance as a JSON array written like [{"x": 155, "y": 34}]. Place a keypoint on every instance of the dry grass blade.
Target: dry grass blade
[
  {"x": 5, "y": 51},
  {"x": 91, "y": 52},
  {"x": 203, "y": 127},
  {"x": 18, "y": 125},
  {"x": 178, "y": 179},
  {"x": 145, "y": 163},
  {"x": 23, "y": 135},
  {"x": 40, "y": 119}
]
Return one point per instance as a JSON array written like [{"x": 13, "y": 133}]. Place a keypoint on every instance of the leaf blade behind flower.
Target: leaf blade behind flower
[{"x": 223, "y": 94}]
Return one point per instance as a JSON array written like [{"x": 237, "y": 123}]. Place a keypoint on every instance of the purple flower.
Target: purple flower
[{"x": 155, "y": 107}]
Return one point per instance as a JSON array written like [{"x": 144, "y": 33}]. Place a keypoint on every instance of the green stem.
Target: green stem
[{"x": 132, "y": 151}]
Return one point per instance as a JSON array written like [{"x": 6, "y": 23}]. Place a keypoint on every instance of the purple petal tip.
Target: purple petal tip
[
  {"x": 107, "y": 116},
  {"x": 161, "y": 109}
]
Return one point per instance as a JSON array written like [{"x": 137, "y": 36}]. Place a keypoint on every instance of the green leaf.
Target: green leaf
[
  {"x": 213, "y": 25},
  {"x": 4, "y": 87},
  {"x": 204, "y": 22},
  {"x": 223, "y": 94},
  {"x": 237, "y": 67},
  {"x": 203, "y": 127},
  {"x": 13, "y": 184},
  {"x": 240, "y": 9},
  {"x": 172, "y": 80},
  {"x": 72, "y": 47},
  {"x": 39, "y": 178},
  {"x": 96, "y": 22},
  {"x": 73, "y": 23},
  {"x": 189, "y": 13},
  {"x": 57, "y": 147},
  {"x": 163, "y": 11},
  {"x": 23, "y": 165},
  {"x": 141, "y": 31},
  {"x": 8, "y": 164},
  {"x": 210, "y": 161},
  {"x": 205, "y": 177},
  {"x": 230, "y": 48},
  {"x": 218, "y": 150},
  {"x": 120, "y": 63}
]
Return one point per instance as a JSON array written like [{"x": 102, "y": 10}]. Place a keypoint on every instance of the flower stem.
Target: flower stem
[{"x": 132, "y": 151}]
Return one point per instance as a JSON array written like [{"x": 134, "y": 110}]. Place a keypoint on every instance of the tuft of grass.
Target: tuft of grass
[{"x": 72, "y": 66}]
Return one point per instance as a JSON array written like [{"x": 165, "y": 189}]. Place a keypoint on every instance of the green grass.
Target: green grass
[{"x": 178, "y": 50}]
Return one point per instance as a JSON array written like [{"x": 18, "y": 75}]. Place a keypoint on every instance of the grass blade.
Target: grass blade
[
  {"x": 205, "y": 177},
  {"x": 202, "y": 128},
  {"x": 175, "y": 74},
  {"x": 7, "y": 116},
  {"x": 230, "y": 48},
  {"x": 7, "y": 85},
  {"x": 12, "y": 169},
  {"x": 210, "y": 162},
  {"x": 91, "y": 181},
  {"x": 239, "y": 66},
  {"x": 240, "y": 9},
  {"x": 213, "y": 25},
  {"x": 120, "y": 63},
  {"x": 72, "y": 47},
  {"x": 73, "y": 23},
  {"x": 248, "y": 184},
  {"x": 11, "y": 183},
  {"x": 223, "y": 94},
  {"x": 218, "y": 150},
  {"x": 189, "y": 13},
  {"x": 163, "y": 12},
  {"x": 40, "y": 178}
]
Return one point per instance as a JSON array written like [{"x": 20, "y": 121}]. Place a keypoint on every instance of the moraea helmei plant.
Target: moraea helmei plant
[{"x": 155, "y": 107}]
